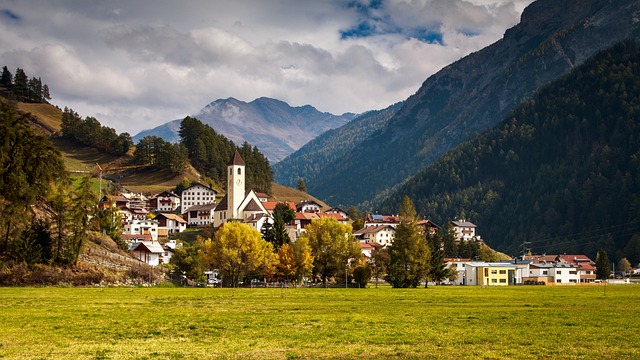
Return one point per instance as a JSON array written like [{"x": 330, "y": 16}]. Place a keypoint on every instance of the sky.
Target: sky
[{"x": 134, "y": 65}]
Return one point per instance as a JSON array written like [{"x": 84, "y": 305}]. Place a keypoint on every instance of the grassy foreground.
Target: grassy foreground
[{"x": 445, "y": 322}]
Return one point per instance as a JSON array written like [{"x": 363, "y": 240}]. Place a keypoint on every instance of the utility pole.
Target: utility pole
[{"x": 525, "y": 248}]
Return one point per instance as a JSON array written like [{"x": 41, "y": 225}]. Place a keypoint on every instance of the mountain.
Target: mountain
[
  {"x": 562, "y": 172},
  {"x": 310, "y": 159},
  {"x": 475, "y": 93},
  {"x": 276, "y": 128}
]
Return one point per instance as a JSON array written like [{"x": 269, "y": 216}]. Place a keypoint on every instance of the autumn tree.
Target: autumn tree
[
  {"x": 333, "y": 245},
  {"x": 238, "y": 249},
  {"x": 409, "y": 254},
  {"x": 379, "y": 263},
  {"x": 624, "y": 265},
  {"x": 295, "y": 261}
]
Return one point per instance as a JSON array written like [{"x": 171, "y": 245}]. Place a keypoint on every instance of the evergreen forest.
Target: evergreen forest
[
  {"x": 560, "y": 175},
  {"x": 209, "y": 153}
]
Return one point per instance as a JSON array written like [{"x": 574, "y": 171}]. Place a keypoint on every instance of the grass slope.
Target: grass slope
[
  {"x": 47, "y": 115},
  {"x": 440, "y": 323}
]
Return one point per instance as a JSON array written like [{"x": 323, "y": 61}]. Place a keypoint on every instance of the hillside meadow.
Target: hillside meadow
[{"x": 580, "y": 322}]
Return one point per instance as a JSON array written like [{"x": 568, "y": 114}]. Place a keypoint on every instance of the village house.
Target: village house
[
  {"x": 149, "y": 252},
  {"x": 381, "y": 220},
  {"x": 200, "y": 215},
  {"x": 166, "y": 201},
  {"x": 308, "y": 206},
  {"x": 336, "y": 210},
  {"x": 366, "y": 249},
  {"x": 142, "y": 227},
  {"x": 584, "y": 265},
  {"x": 458, "y": 265},
  {"x": 262, "y": 197},
  {"x": 382, "y": 234},
  {"x": 339, "y": 218},
  {"x": 429, "y": 226},
  {"x": 491, "y": 274},
  {"x": 128, "y": 215},
  {"x": 464, "y": 230},
  {"x": 197, "y": 194},
  {"x": 135, "y": 201},
  {"x": 553, "y": 273},
  {"x": 171, "y": 222}
]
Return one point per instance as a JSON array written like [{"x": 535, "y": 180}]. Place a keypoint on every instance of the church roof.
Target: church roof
[
  {"x": 253, "y": 206},
  {"x": 223, "y": 204},
  {"x": 236, "y": 160}
]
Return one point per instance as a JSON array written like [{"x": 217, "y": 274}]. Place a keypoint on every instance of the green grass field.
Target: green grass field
[{"x": 584, "y": 322}]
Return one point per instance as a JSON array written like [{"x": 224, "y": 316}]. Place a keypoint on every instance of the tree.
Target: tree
[
  {"x": 409, "y": 254},
  {"x": 624, "y": 265},
  {"x": 186, "y": 261},
  {"x": 332, "y": 246},
  {"x": 6, "y": 79},
  {"x": 356, "y": 216},
  {"x": 437, "y": 267},
  {"x": 109, "y": 221},
  {"x": 362, "y": 274},
  {"x": 237, "y": 249},
  {"x": 276, "y": 233},
  {"x": 301, "y": 185},
  {"x": 603, "y": 266},
  {"x": 29, "y": 163},
  {"x": 379, "y": 263}
]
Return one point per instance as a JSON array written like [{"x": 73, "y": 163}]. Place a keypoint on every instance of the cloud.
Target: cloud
[{"x": 137, "y": 64}]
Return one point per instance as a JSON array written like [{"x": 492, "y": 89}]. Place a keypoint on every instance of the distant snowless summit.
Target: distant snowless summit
[{"x": 276, "y": 128}]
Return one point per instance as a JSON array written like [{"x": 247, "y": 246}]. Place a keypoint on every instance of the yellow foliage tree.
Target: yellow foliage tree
[{"x": 238, "y": 249}]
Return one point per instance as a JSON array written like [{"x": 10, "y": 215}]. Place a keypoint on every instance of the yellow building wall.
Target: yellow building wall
[{"x": 493, "y": 276}]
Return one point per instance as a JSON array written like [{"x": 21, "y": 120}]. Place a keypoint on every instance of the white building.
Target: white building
[
  {"x": 171, "y": 222},
  {"x": 465, "y": 231},
  {"x": 554, "y": 273},
  {"x": 166, "y": 201},
  {"x": 149, "y": 252},
  {"x": 142, "y": 227},
  {"x": 197, "y": 194},
  {"x": 200, "y": 215},
  {"x": 383, "y": 235},
  {"x": 239, "y": 204}
]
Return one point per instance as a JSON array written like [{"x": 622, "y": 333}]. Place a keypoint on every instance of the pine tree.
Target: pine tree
[
  {"x": 603, "y": 266},
  {"x": 301, "y": 185}
]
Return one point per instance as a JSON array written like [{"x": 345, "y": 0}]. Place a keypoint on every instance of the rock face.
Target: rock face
[
  {"x": 476, "y": 92},
  {"x": 276, "y": 128}
]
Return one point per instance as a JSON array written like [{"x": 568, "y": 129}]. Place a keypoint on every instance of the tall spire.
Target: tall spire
[{"x": 236, "y": 160}]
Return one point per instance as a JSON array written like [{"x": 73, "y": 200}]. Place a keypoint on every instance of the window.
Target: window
[
  {"x": 494, "y": 272},
  {"x": 230, "y": 171},
  {"x": 573, "y": 272},
  {"x": 558, "y": 280},
  {"x": 494, "y": 281},
  {"x": 545, "y": 272},
  {"x": 559, "y": 272},
  {"x": 239, "y": 171},
  {"x": 503, "y": 281},
  {"x": 503, "y": 272}
]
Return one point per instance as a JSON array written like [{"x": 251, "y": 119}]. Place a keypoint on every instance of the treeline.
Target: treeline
[
  {"x": 561, "y": 174},
  {"x": 209, "y": 153},
  {"x": 19, "y": 87},
  {"x": 44, "y": 218},
  {"x": 157, "y": 153},
  {"x": 89, "y": 132}
]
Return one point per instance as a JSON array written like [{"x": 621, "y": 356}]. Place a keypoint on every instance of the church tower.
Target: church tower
[{"x": 235, "y": 185}]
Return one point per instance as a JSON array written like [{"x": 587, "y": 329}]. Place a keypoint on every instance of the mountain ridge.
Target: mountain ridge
[
  {"x": 272, "y": 125},
  {"x": 475, "y": 93}
]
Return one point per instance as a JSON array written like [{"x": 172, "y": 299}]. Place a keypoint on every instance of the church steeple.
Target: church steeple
[{"x": 235, "y": 184}]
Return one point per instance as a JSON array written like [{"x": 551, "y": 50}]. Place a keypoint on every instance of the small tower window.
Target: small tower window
[
  {"x": 230, "y": 171},
  {"x": 239, "y": 171}
]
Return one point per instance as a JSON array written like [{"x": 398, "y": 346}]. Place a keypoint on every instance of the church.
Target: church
[{"x": 239, "y": 204}]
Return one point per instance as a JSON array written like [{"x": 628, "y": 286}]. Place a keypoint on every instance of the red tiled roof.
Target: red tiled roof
[
  {"x": 332, "y": 215},
  {"x": 271, "y": 205}
]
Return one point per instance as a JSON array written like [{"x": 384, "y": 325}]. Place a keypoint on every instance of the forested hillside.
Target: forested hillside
[
  {"x": 209, "y": 152},
  {"x": 562, "y": 172},
  {"x": 313, "y": 157},
  {"x": 476, "y": 93}
]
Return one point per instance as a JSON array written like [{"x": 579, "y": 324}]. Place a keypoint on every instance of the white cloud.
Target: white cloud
[{"x": 137, "y": 64}]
